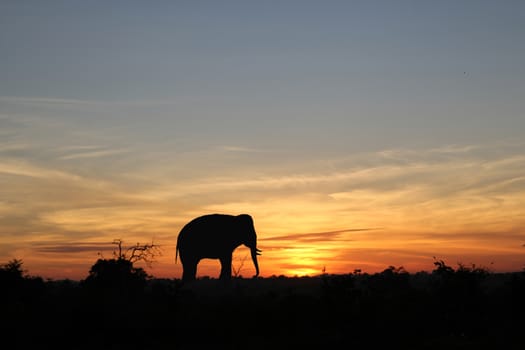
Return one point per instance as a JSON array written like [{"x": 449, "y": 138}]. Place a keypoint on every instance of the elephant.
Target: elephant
[{"x": 215, "y": 236}]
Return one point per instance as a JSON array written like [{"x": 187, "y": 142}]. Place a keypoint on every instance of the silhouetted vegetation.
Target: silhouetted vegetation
[
  {"x": 119, "y": 273},
  {"x": 18, "y": 288},
  {"x": 119, "y": 306}
]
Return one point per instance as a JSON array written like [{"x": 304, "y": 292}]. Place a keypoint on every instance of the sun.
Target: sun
[{"x": 303, "y": 271}]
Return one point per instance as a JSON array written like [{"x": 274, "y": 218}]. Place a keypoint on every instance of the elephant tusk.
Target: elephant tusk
[{"x": 258, "y": 250}]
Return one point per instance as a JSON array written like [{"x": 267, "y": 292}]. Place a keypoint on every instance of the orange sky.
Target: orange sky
[{"x": 399, "y": 208}]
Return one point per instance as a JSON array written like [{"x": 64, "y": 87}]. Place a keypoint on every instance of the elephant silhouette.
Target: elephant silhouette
[{"x": 215, "y": 236}]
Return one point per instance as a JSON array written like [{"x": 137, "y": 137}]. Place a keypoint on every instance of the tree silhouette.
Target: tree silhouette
[
  {"x": 119, "y": 272},
  {"x": 11, "y": 278},
  {"x": 12, "y": 271},
  {"x": 16, "y": 285}
]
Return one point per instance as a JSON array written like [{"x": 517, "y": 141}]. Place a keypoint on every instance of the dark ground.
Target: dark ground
[{"x": 445, "y": 309}]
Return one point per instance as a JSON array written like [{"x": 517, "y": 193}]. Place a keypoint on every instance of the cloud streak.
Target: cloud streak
[
  {"x": 240, "y": 149},
  {"x": 316, "y": 236},
  {"x": 94, "y": 154},
  {"x": 23, "y": 168},
  {"x": 51, "y": 101},
  {"x": 72, "y": 247}
]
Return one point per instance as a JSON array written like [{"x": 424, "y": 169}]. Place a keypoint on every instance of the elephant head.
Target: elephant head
[
  {"x": 248, "y": 237},
  {"x": 215, "y": 236}
]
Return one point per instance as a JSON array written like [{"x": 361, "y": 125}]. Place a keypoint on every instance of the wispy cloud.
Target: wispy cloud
[
  {"x": 240, "y": 149},
  {"x": 44, "y": 100},
  {"x": 13, "y": 146},
  {"x": 53, "y": 101},
  {"x": 94, "y": 154},
  {"x": 316, "y": 236},
  {"x": 23, "y": 168},
  {"x": 72, "y": 247}
]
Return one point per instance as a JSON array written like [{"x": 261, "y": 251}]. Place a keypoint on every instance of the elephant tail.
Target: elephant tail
[{"x": 176, "y": 251}]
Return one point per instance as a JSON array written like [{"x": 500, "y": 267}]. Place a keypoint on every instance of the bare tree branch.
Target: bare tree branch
[{"x": 138, "y": 252}]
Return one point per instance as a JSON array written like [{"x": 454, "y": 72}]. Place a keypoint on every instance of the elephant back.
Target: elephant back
[{"x": 207, "y": 234}]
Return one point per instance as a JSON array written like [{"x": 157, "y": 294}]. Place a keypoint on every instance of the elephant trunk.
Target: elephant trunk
[{"x": 255, "y": 252}]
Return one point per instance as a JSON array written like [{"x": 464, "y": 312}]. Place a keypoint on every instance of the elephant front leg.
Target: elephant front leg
[{"x": 226, "y": 268}]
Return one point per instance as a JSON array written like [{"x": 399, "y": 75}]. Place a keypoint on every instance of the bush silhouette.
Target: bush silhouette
[
  {"x": 12, "y": 271},
  {"x": 116, "y": 274},
  {"x": 15, "y": 284}
]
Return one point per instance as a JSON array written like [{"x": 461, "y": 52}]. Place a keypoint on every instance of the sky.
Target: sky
[{"x": 358, "y": 134}]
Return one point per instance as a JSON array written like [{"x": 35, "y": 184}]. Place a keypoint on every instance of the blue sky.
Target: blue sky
[
  {"x": 394, "y": 70},
  {"x": 223, "y": 105}
]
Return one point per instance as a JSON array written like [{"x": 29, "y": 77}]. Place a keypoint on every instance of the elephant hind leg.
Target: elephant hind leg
[{"x": 189, "y": 270}]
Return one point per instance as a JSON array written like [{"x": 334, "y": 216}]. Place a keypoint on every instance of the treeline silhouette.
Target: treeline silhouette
[{"x": 119, "y": 306}]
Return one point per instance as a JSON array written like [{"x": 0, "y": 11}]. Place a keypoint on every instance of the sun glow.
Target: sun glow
[{"x": 305, "y": 271}]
